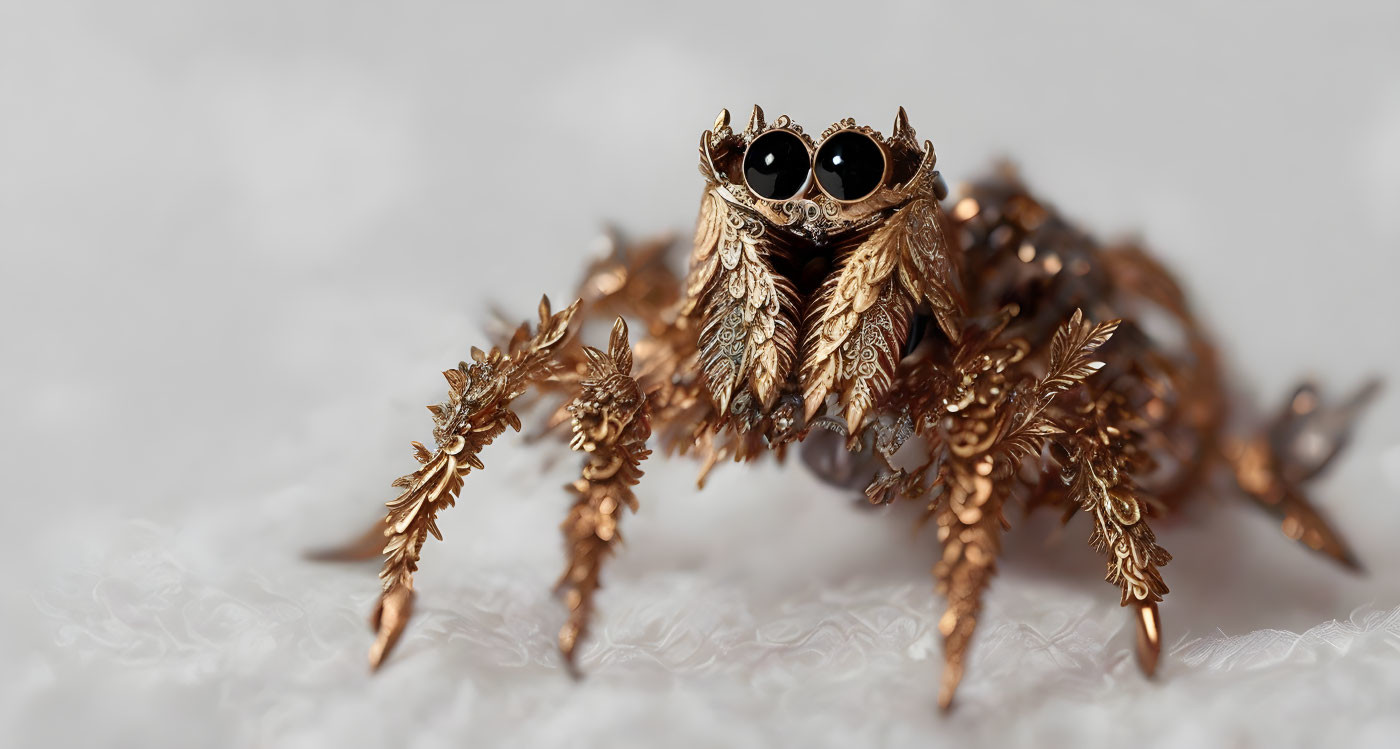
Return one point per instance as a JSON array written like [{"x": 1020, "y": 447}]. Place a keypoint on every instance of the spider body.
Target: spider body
[{"x": 969, "y": 353}]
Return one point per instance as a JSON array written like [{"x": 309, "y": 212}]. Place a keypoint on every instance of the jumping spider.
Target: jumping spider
[{"x": 957, "y": 352}]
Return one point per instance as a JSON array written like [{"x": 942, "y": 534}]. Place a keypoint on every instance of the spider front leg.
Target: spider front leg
[
  {"x": 611, "y": 423},
  {"x": 984, "y": 418},
  {"x": 629, "y": 278},
  {"x": 970, "y": 522},
  {"x": 475, "y": 413}
]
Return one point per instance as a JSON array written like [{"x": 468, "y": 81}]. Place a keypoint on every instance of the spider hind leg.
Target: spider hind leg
[
  {"x": 364, "y": 547},
  {"x": 1274, "y": 468}
]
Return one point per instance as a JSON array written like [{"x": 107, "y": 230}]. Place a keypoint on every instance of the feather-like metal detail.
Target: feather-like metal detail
[
  {"x": 747, "y": 334},
  {"x": 992, "y": 416},
  {"x": 857, "y": 323},
  {"x": 475, "y": 413},
  {"x": 793, "y": 301},
  {"x": 970, "y": 522},
  {"x": 610, "y": 426},
  {"x": 1100, "y": 482}
]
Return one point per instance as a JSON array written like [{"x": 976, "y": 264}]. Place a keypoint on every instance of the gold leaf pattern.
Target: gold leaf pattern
[
  {"x": 926, "y": 266},
  {"x": 610, "y": 426},
  {"x": 475, "y": 413},
  {"x": 857, "y": 323},
  {"x": 747, "y": 335},
  {"x": 970, "y": 522},
  {"x": 1002, "y": 415},
  {"x": 1099, "y": 481}
]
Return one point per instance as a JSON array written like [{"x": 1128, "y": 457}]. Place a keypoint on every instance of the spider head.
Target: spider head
[
  {"x": 818, "y": 190},
  {"x": 815, "y": 261}
]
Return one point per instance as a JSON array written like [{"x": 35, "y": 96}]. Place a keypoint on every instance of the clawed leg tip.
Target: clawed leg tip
[
  {"x": 1149, "y": 637},
  {"x": 1148, "y": 665},
  {"x": 952, "y": 677},
  {"x": 570, "y": 665},
  {"x": 388, "y": 621},
  {"x": 378, "y": 653},
  {"x": 568, "y": 639},
  {"x": 1349, "y": 561}
]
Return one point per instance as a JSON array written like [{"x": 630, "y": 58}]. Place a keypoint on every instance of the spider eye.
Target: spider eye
[
  {"x": 777, "y": 166},
  {"x": 850, "y": 165}
]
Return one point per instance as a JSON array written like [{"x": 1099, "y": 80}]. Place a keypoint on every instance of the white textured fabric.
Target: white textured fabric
[{"x": 239, "y": 241}]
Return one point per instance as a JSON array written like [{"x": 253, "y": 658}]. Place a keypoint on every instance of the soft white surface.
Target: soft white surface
[{"x": 239, "y": 242}]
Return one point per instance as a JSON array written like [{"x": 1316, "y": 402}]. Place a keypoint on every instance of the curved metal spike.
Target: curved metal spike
[
  {"x": 707, "y": 157},
  {"x": 901, "y": 126},
  {"x": 756, "y": 122},
  {"x": 388, "y": 622},
  {"x": 1149, "y": 636},
  {"x": 722, "y": 121}
]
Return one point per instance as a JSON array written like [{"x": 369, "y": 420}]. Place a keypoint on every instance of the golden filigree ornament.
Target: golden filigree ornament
[{"x": 966, "y": 353}]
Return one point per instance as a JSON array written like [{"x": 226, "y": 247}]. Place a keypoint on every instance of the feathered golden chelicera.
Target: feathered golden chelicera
[{"x": 972, "y": 352}]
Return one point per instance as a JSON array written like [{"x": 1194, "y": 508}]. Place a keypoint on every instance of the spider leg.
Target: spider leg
[
  {"x": 631, "y": 279},
  {"x": 1098, "y": 473},
  {"x": 611, "y": 424},
  {"x": 626, "y": 278},
  {"x": 366, "y": 546},
  {"x": 970, "y": 521},
  {"x": 1301, "y": 442},
  {"x": 476, "y": 412},
  {"x": 982, "y": 425}
]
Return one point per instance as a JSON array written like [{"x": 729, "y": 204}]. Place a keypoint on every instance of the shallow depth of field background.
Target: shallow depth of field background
[{"x": 238, "y": 241}]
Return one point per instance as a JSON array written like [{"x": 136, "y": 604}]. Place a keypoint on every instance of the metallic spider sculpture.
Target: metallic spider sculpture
[{"x": 963, "y": 353}]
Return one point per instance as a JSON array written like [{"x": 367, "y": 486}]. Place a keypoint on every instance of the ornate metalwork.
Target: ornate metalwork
[
  {"x": 968, "y": 354},
  {"x": 476, "y": 412}
]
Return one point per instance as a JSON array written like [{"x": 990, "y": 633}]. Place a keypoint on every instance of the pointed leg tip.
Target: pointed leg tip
[
  {"x": 1337, "y": 550},
  {"x": 1147, "y": 662},
  {"x": 388, "y": 621},
  {"x": 952, "y": 677},
  {"x": 1149, "y": 637},
  {"x": 383, "y": 643},
  {"x": 568, "y": 641},
  {"x": 1349, "y": 560},
  {"x": 1308, "y": 528},
  {"x": 571, "y": 666}
]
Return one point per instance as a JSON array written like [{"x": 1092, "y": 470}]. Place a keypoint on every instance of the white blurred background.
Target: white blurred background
[{"x": 239, "y": 240}]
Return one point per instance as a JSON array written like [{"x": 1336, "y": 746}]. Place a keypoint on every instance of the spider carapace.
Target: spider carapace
[{"x": 966, "y": 353}]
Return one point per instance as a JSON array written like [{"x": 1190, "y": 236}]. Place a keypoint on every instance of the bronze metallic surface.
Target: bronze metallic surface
[{"x": 970, "y": 353}]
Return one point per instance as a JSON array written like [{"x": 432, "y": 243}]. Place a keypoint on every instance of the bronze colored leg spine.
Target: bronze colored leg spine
[
  {"x": 970, "y": 522},
  {"x": 475, "y": 413},
  {"x": 611, "y": 424},
  {"x": 1099, "y": 480}
]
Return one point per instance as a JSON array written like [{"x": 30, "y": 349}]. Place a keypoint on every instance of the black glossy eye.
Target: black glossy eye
[
  {"x": 850, "y": 165},
  {"x": 776, "y": 165}
]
